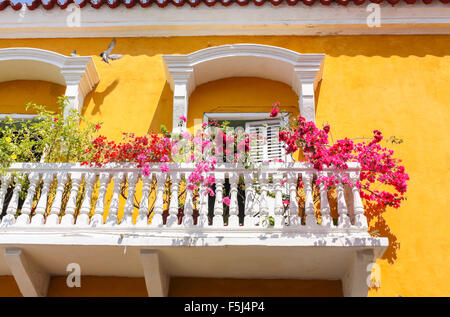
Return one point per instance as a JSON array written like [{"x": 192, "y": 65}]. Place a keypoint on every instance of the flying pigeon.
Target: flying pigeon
[{"x": 106, "y": 55}]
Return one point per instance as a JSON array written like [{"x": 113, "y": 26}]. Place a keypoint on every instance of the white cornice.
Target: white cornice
[{"x": 334, "y": 19}]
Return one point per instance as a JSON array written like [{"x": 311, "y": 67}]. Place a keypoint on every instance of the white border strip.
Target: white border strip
[{"x": 202, "y": 20}]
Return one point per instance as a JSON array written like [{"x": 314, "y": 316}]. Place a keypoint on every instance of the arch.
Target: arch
[
  {"x": 77, "y": 73},
  {"x": 301, "y": 71}
]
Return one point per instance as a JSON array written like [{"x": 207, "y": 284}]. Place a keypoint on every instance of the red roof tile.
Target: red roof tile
[{"x": 50, "y": 4}]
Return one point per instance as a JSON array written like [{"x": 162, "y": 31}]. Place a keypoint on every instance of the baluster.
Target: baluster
[
  {"x": 157, "y": 220},
  {"x": 24, "y": 217},
  {"x": 68, "y": 218},
  {"x": 294, "y": 219},
  {"x": 38, "y": 218},
  {"x": 112, "y": 219},
  {"x": 55, "y": 210},
  {"x": 188, "y": 220},
  {"x": 358, "y": 208},
  {"x": 9, "y": 219},
  {"x": 202, "y": 219},
  {"x": 309, "y": 202},
  {"x": 279, "y": 209},
  {"x": 233, "y": 219},
  {"x": 97, "y": 218},
  {"x": 218, "y": 204},
  {"x": 142, "y": 219},
  {"x": 263, "y": 207},
  {"x": 127, "y": 218},
  {"x": 6, "y": 180},
  {"x": 83, "y": 217},
  {"x": 327, "y": 221},
  {"x": 249, "y": 210},
  {"x": 344, "y": 219},
  {"x": 172, "y": 218}
]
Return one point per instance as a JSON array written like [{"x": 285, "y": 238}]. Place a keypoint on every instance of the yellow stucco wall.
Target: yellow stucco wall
[{"x": 397, "y": 84}]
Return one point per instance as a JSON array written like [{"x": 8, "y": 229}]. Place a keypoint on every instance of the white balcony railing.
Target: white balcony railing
[{"x": 70, "y": 195}]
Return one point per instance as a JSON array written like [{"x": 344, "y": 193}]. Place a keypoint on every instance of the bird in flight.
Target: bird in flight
[{"x": 106, "y": 55}]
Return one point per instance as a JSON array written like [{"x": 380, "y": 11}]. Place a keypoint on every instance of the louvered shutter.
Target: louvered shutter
[{"x": 267, "y": 146}]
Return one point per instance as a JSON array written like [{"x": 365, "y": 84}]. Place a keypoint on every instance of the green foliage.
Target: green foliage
[{"x": 50, "y": 137}]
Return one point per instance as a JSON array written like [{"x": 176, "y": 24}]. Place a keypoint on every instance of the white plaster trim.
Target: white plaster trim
[
  {"x": 283, "y": 19},
  {"x": 300, "y": 71},
  {"x": 354, "y": 282},
  {"x": 18, "y": 116},
  {"x": 31, "y": 280},
  {"x": 156, "y": 281},
  {"x": 77, "y": 73}
]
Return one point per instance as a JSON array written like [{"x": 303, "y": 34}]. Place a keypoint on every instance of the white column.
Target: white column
[
  {"x": 24, "y": 217},
  {"x": 6, "y": 180},
  {"x": 38, "y": 218},
  {"x": 249, "y": 220},
  {"x": 127, "y": 219},
  {"x": 112, "y": 219},
  {"x": 233, "y": 219},
  {"x": 157, "y": 220},
  {"x": 279, "y": 209},
  {"x": 156, "y": 279},
  {"x": 218, "y": 204},
  {"x": 344, "y": 219},
  {"x": 327, "y": 221},
  {"x": 307, "y": 99},
  {"x": 309, "y": 202},
  {"x": 9, "y": 219},
  {"x": 68, "y": 218},
  {"x": 53, "y": 218},
  {"x": 294, "y": 218},
  {"x": 142, "y": 219},
  {"x": 172, "y": 218},
  {"x": 83, "y": 217},
  {"x": 358, "y": 207},
  {"x": 97, "y": 218},
  {"x": 263, "y": 206},
  {"x": 188, "y": 220},
  {"x": 180, "y": 106}
]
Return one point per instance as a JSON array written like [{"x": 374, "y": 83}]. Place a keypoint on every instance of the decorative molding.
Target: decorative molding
[
  {"x": 32, "y": 281},
  {"x": 234, "y": 19},
  {"x": 300, "y": 71},
  {"x": 77, "y": 73},
  {"x": 156, "y": 281}
]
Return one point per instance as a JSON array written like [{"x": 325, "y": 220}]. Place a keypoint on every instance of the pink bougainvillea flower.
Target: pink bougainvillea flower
[
  {"x": 274, "y": 112},
  {"x": 286, "y": 203},
  {"x": 146, "y": 170},
  {"x": 326, "y": 128},
  {"x": 164, "y": 168},
  {"x": 183, "y": 118},
  {"x": 226, "y": 201}
]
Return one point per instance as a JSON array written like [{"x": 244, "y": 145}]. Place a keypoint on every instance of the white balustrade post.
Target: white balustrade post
[
  {"x": 127, "y": 218},
  {"x": 53, "y": 218},
  {"x": 9, "y": 219},
  {"x": 97, "y": 218},
  {"x": 294, "y": 218},
  {"x": 279, "y": 209},
  {"x": 142, "y": 219},
  {"x": 68, "y": 218},
  {"x": 327, "y": 221},
  {"x": 172, "y": 218},
  {"x": 24, "y": 217},
  {"x": 157, "y": 220},
  {"x": 310, "y": 220},
  {"x": 358, "y": 207},
  {"x": 344, "y": 219},
  {"x": 233, "y": 219},
  {"x": 83, "y": 217},
  {"x": 112, "y": 219},
  {"x": 6, "y": 180},
  {"x": 218, "y": 204},
  {"x": 202, "y": 219},
  {"x": 250, "y": 205},
  {"x": 263, "y": 207},
  {"x": 188, "y": 220},
  {"x": 38, "y": 218}
]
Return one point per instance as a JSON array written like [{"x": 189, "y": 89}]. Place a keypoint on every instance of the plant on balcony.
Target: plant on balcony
[{"x": 378, "y": 166}]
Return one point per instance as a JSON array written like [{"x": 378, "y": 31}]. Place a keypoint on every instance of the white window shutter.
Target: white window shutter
[{"x": 267, "y": 147}]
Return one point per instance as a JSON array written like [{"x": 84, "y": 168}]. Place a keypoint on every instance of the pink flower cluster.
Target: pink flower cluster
[{"x": 377, "y": 163}]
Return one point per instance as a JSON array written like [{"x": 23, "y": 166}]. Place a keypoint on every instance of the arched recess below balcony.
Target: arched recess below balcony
[
  {"x": 77, "y": 73},
  {"x": 302, "y": 72}
]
